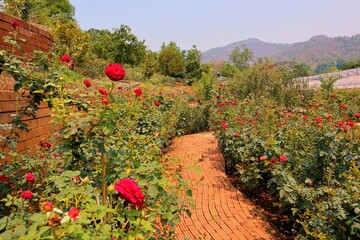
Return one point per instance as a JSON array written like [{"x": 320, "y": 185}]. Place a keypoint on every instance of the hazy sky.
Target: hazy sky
[{"x": 214, "y": 23}]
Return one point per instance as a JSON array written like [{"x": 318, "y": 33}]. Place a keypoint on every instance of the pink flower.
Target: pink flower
[
  {"x": 103, "y": 91},
  {"x": 26, "y": 195},
  {"x": 70, "y": 64},
  {"x": 87, "y": 83},
  {"x": 283, "y": 158},
  {"x": 138, "y": 91},
  {"x": 65, "y": 58},
  {"x": 157, "y": 103},
  {"x": 47, "y": 207},
  {"x": 30, "y": 177},
  {"x": 74, "y": 213},
  {"x": 15, "y": 25},
  {"x": 130, "y": 191},
  {"x": 115, "y": 72}
]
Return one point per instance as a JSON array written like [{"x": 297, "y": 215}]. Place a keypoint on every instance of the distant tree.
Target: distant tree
[
  {"x": 193, "y": 63},
  {"x": 306, "y": 69},
  {"x": 241, "y": 59},
  {"x": 50, "y": 12},
  {"x": 171, "y": 61},
  {"x": 128, "y": 49},
  {"x": 100, "y": 42},
  {"x": 150, "y": 64},
  {"x": 70, "y": 39},
  {"x": 325, "y": 68},
  {"x": 119, "y": 45},
  {"x": 228, "y": 70}
]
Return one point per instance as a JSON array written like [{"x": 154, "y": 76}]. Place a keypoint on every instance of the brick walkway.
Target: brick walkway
[{"x": 221, "y": 211}]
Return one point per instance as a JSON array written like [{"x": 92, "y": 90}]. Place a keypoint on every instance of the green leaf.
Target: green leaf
[
  {"x": 189, "y": 192},
  {"x": 152, "y": 191}
]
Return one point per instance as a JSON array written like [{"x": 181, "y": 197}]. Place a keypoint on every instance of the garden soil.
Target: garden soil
[{"x": 220, "y": 211}]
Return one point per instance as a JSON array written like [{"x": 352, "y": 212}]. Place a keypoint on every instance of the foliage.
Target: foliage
[
  {"x": 119, "y": 45},
  {"x": 193, "y": 64},
  {"x": 241, "y": 60},
  {"x": 33, "y": 10},
  {"x": 70, "y": 39},
  {"x": 272, "y": 80},
  {"x": 171, "y": 61},
  {"x": 228, "y": 70},
  {"x": 150, "y": 64}
]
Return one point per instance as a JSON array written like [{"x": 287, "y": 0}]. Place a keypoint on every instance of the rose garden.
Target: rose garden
[{"x": 100, "y": 172}]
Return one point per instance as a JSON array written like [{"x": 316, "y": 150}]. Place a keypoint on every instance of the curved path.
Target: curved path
[{"x": 221, "y": 211}]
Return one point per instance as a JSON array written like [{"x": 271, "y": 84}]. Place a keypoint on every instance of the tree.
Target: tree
[
  {"x": 128, "y": 49},
  {"x": 241, "y": 59},
  {"x": 70, "y": 39},
  {"x": 228, "y": 70},
  {"x": 119, "y": 45},
  {"x": 150, "y": 64},
  {"x": 193, "y": 63},
  {"x": 171, "y": 61}
]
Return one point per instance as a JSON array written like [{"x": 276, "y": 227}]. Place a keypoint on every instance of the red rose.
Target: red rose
[
  {"x": 65, "y": 58},
  {"x": 357, "y": 115},
  {"x": 103, "y": 91},
  {"x": 30, "y": 177},
  {"x": 273, "y": 160},
  {"x": 87, "y": 83},
  {"x": 350, "y": 124},
  {"x": 74, "y": 213},
  {"x": 263, "y": 158},
  {"x": 157, "y": 103},
  {"x": 138, "y": 91},
  {"x": 115, "y": 72},
  {"x": 130, "y": 191},
  {"x": 283, "y": 158},
  {"x": 6, "y": 179},
  {"x": 15, "y": 25},
  {"x": 120, "y": 87},
  {"x": 319, "y": 120},
  {"x": 237, "y": 134},
  {"x": 104, "y": 101},
  {"x": 26, "y": 195},
  {"x": 48, "y": 207},
  {"x": 342, "y": 106}
]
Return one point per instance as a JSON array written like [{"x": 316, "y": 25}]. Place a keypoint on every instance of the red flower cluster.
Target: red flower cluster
[
  {"x": 103, "y": 91},
  {"x": 223, "y": 124},
  {"x": 6, "y": 179},
  {"x": 15, "y": 25},
  {"x": 65, "y": 58},
  {"x": 115, "y": 72},
  {"x": 87, "y": 83},
  {"x": 26, "y": 195},
  {"x": 138, "y": 92},
  {"x": 45, "y": 145},
  {"x": 130, "y": 191},
  {"x": 30, "y": 177}
]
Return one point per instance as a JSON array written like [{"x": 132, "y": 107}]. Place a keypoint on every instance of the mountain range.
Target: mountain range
[{"x": 317, "y": 50}]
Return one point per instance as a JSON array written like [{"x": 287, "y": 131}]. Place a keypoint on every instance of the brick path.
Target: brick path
[{"x": 221, "y": 211}]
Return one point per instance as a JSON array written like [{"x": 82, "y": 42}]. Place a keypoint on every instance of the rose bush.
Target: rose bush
[
  {"x": 305, "y": 159},
  {"x": 69, "y": 189}
]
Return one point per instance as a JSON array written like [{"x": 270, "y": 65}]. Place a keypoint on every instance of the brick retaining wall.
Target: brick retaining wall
[{"x": 37, "y": 38}]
